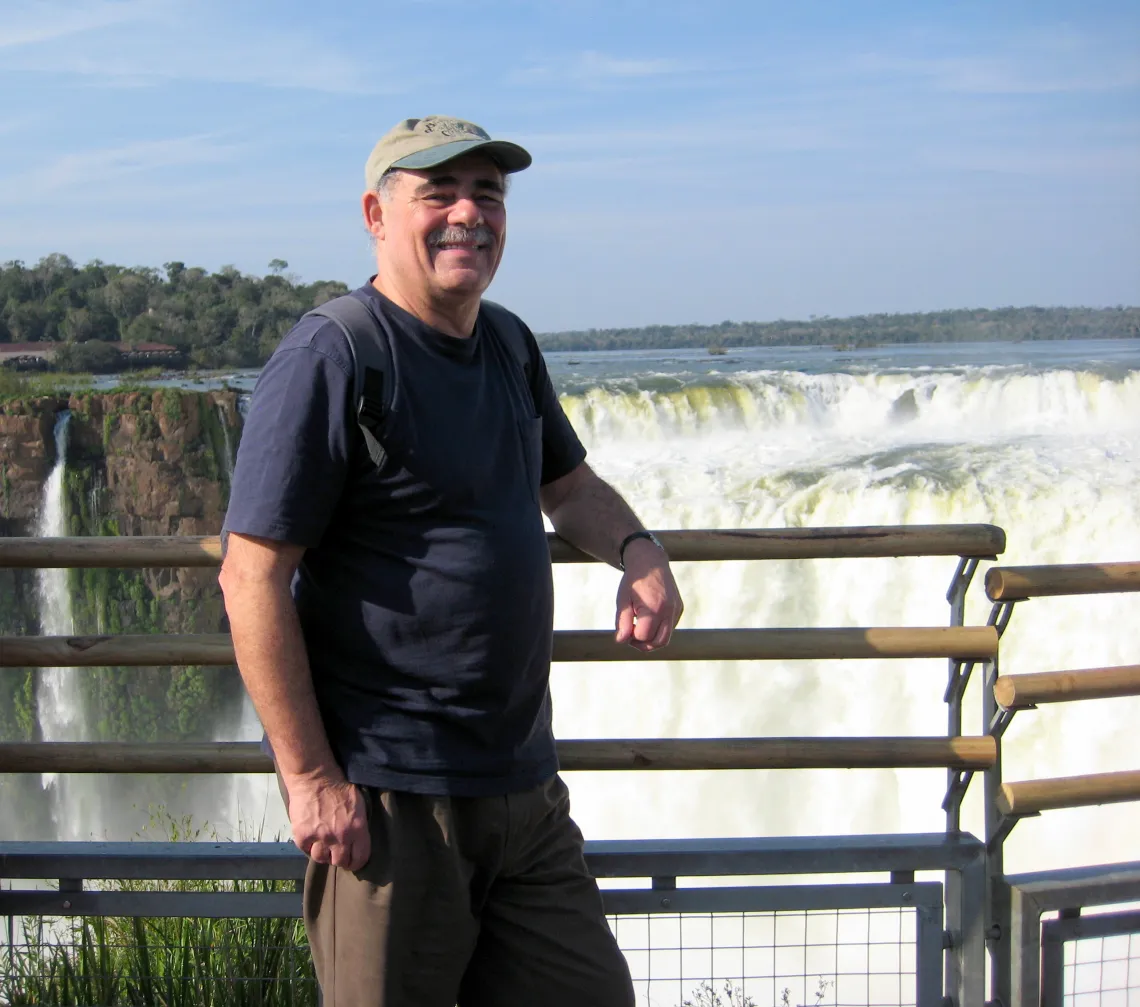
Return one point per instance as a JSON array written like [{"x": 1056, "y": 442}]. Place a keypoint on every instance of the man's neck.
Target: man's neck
[{"x": 452, "y": 317}]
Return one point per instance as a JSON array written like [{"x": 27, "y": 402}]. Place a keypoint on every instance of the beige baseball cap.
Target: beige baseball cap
[{"x": 434, "y": 140}]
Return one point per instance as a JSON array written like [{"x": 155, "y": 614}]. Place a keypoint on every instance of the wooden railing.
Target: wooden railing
[
  {"x": 1006, "y": 586},
  {"x": 1015, "y": 949},
  {"x": 962, "y": 647},
  {"x": 956, "y": 643}
]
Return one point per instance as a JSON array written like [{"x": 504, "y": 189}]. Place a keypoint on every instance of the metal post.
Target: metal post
[
  {"x": 1025, "y": 944},
  {"x": 929, "y": 956},
  {"x": 997, "y": 899},
  {"x": 965, "y": 939},
  {"x": 956, "y": 596},
  {"x": 1052, "y": 968}
]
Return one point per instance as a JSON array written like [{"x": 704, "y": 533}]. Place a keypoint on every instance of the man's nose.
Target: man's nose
[{"x": 466, "y": 212}]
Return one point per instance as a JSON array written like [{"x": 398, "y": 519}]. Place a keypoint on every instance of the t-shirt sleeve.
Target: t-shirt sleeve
[
  {"x": 562, "y": 451},
  {"x": 296, "y": 444}
]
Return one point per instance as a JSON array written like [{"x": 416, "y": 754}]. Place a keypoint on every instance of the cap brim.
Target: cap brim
[{"x": 508, "y": 156}]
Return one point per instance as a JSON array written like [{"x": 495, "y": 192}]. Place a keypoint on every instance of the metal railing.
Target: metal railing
[{"x": 947, "y": 928}]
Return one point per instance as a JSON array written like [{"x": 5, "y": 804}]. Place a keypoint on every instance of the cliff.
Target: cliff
[{"x": 139, "y": 462}]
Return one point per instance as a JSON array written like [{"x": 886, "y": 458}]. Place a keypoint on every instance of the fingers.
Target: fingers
[
  {"x": 335, "y": 831},
  {"x": 351, "y": 851},
  {"x": 625, "y": 620}
]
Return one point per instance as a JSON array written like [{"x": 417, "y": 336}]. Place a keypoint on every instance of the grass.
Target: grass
[{"x": 161, "y": 961}]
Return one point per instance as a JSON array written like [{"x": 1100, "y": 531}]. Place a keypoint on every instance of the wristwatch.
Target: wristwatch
[{"x": 632, "y": 536}]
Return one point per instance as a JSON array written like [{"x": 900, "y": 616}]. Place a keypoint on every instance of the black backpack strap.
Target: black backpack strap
[
  {"x": 373, "y": 387},
  {"x": 510, "y": 328}
]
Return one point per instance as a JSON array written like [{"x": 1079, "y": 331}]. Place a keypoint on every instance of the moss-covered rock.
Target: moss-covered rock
[{"x": 140, "y": 462}]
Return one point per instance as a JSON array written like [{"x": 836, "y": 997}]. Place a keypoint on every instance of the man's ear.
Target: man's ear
[{"x": 373, "y": 210}]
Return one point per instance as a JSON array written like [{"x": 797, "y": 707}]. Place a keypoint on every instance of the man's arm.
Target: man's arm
[
  {"x": 591, "y": 515},
  {"x": 326, "y": 812}
]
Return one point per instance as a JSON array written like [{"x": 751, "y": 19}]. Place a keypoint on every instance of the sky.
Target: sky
[{"x": 694, "y": 160}]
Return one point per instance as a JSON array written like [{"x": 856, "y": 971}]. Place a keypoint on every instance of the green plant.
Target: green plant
[
  {"x": 163, "y": 961},
  {"x": 707, "y": 995}
]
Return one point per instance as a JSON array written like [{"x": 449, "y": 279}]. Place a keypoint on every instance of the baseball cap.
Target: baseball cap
[{"x": 435, "y": 140}]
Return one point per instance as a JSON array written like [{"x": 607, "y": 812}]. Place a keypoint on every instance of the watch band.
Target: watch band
[{"x": 633, "y": 536}]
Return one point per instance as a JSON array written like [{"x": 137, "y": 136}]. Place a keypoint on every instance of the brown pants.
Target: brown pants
[{"x": 475, "y": 901}]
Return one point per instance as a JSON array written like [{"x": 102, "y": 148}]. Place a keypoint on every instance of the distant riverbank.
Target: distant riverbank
[{"x": 103, "y": 318}]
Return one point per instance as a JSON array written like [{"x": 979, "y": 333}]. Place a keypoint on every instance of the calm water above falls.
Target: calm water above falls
[{"x": 1040, "y": 438}]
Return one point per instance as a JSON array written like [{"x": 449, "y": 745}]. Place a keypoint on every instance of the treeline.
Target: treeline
[
  {"x": 958, "y": 326},
  {"x": 222, "y": 319},
  {"x": 232, "y": 319}
]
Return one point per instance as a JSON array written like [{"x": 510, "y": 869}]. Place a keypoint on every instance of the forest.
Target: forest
[{"x": 233, "y": 319}]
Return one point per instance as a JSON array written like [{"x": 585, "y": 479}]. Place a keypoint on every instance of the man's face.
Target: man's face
[{"x": 440, "y": 232}]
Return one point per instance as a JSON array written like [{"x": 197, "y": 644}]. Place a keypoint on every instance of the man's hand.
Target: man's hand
[
  {"x": 648, "y": 602},
  {"x": 329, "y": 820}
]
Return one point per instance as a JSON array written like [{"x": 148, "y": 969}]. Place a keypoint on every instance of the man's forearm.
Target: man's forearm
[
  {"x": 593, "y": 517},
  {"x": 271, "y": 657}
]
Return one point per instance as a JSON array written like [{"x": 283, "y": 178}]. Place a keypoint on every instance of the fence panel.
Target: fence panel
[
  {"x": 1091, "y": 961},
  {"x": 851, "y": 945}
]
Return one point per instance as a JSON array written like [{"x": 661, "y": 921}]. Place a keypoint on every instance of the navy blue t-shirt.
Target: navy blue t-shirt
[{"x": 425, "y": 592}]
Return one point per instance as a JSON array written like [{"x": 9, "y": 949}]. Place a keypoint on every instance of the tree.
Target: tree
[
  {"x": 278, "y": 266},
  {"x": 125, "y": 296},
  {"x": 93, "y": 356}
]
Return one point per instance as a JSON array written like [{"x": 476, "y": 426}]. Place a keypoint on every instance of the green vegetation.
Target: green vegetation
[
  {"x": 163, "y": 961},
  {"x": 146, "y": 704},
  {"x": 222, "y": 319},
  {"x": 231, "y": 319},
  {"x": 960, "y": 326}
]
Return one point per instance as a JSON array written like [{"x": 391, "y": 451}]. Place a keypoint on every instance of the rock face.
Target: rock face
[
  {"x": 140, "y": 462},
  {"x": 159, "y": 458},
  {"x": 27, "y": 453}
]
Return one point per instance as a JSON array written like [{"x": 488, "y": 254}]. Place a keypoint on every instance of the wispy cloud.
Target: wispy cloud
[
  {"x": 154, "y": 41},
  {"x": 992, "y": 75},
  {"x": 1041, "y": 62},
  {"x": 32, "y": 23},
  {"x": 600, "y": 65},
  {"x": 593, "y": 68},
  {"x": 92, "y": 169}
]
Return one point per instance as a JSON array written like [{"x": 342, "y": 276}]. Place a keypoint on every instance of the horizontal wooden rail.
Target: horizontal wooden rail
[
  {"x": 1068, "y": 792},
  {"x": 970, "y": 540},
  {"x": 969, "y": 643},
  {"x": 1019, "y": 583},
  {"x": 966, "y": 753},
  {"x": 1016, "y": 692}
]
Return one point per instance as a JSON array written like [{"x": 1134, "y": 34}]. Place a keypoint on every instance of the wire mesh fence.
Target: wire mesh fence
[
  {"x": 832, "y": 958},
  {"x": 824, "y": 958},
  {"x": 1102, "y": 972},
  {"x": 1091, "y": 961}
]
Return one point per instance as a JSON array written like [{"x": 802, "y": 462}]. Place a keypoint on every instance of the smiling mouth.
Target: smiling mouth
[{"x": 462, "y": 239}]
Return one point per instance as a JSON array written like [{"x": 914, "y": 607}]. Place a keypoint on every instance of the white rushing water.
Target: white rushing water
[
  {"x": 76, "y": 806},
  {"x": 1048, "y": 449},
  {"x": 1051, "y": 455}
]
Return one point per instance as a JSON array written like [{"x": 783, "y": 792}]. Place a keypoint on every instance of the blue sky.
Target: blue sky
[{"x": 694, "y": 161}]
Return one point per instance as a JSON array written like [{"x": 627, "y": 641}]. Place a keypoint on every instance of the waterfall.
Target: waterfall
[
  {"x": 57, "y": 696},
  {"x": 1050, "y": 454},
  {"x": 227, "y": 447},
  {"x": 76, "y": 808}
]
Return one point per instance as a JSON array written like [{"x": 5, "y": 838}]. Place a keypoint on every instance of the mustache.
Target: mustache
[{"x": 481, "y": 235}]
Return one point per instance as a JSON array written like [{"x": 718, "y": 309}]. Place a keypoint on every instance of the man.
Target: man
[{"x": 392, "y": 618}]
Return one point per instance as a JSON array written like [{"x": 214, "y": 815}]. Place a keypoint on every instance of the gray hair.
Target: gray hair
[{"x": 384, "y": 186}]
